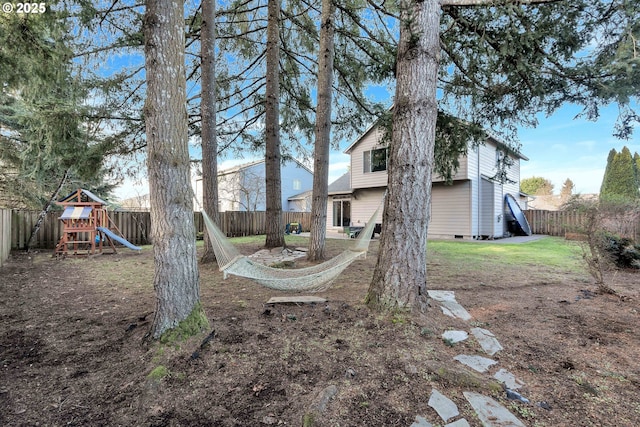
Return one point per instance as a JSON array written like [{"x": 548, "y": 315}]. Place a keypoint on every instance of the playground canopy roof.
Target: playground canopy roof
[
  {"x": 85, "y": 196},
  {"x": 76, "y": 212}
]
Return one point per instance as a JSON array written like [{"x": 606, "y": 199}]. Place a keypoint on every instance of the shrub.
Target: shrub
[{"x": 622, "y": 251}]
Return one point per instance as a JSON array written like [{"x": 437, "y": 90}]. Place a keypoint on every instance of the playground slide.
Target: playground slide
[{"x": 119, "y": 239}]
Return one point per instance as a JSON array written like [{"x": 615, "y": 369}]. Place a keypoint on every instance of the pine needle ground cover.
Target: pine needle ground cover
[{"x": 72, "y": 347}]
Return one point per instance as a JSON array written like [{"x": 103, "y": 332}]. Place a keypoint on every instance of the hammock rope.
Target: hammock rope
[{"x": 311, "y": 279}]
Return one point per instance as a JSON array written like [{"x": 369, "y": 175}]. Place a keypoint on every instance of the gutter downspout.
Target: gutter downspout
[{"x": 479, "y": 190}]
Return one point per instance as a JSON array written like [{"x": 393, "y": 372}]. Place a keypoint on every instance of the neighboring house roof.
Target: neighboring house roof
[
  {"x": 341, "y": 185},
  {"x": 301, "y": 196},
  {"x": 136, "y": 203},
  {"x": 238, "y": 168},
  {"x": 554, "y": 202}
]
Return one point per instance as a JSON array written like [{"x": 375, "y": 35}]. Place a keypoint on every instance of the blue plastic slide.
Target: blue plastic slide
[{"x": 118, "y": 239}]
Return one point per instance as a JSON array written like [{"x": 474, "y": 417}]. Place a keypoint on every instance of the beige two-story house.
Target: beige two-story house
[{"x": 471, "y": 207}]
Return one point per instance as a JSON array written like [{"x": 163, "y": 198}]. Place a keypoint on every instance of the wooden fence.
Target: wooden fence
[
  {"x": 5, "y": 235},
  {"x": 238, "y": 224},
  {"x": 136, "y": 226},
  {"x": 553, "y": 223},
  {"x": 558, "y": 223}
]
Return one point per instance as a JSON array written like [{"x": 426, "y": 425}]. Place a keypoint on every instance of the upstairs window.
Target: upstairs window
[
  {"x": 297, "y": 184},
  {"x": 375, "y": 160}
]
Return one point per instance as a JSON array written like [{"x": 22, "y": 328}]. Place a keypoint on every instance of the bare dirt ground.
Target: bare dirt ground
[{"x": 72, "y": 349}]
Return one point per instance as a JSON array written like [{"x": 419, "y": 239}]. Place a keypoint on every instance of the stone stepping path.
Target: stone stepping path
[{"x": 489, "y": 411}]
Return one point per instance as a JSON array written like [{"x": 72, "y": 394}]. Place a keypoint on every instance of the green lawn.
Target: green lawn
[
  {"x": 552, "y": 252},
  {"x": 549, "y": 251},
  {"x": 544, "y": 261}
]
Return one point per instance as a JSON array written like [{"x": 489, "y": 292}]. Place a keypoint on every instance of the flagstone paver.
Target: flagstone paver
[
  {"x": 508, "y": 379},
  {"x": 487, "y": 341},
  {"x": 478, "y": 363},
  {"x": 455, "y": 336},
  {"x": 460, "y": 423},
  {"x": 276, "y": 256},
  {"x": 444, "y": 406},
  {"x": 449, "y": 305},
  {"x": 490, "y": 412}
]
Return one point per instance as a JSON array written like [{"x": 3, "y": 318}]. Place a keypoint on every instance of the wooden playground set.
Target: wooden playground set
[{"x": 86, "y": 228}]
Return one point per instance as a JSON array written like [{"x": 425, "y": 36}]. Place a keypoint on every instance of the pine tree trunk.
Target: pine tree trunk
[
  {"x": 323, "y": 134},
  {"x": 273, "y": 183},
  {"x": 45, "y": 210},
  {"x": 176, "y": 280},
  {"x": 208, "y": 111},
  {"x": 399, "y": 278}
]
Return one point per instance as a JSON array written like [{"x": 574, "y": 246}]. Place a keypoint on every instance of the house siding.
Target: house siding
[
  {"x": 364, "y": 205},
  {"x": 234, "y": 186},
  {"x": 450, "y": 210},
  {"x": 463, "y": 171},
  {"x": 473, "y": 207},
  {"x": 299, "y": 205},
  {"x": 226, "y": 195},
  {"x": 291, "y": 171},
  {"x": 360, "y": 179}
]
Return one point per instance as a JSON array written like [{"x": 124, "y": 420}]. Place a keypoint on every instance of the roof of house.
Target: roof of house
[
  {"x": 359, "y": 138},
  {"x": 494, "y": 138},
  {"x": 301, "y": 196},
  {"x": 507, "y": 148},
  {"x": 341, "y": 185},
  {"x": 238, "y": 168}
]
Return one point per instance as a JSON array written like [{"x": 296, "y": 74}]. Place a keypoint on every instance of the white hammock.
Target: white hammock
[{"x": 315, "y": 278}]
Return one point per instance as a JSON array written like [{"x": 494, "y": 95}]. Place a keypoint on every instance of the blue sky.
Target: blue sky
[{"x": 562, "y": 147}]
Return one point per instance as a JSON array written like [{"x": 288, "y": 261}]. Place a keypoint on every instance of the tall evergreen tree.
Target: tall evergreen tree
[
  {"x": 208, "y": 122},
  {"x": 620, "y": 181},
  {"x": 322, "y": 144},
  {"x": 176, "y": 279},
  {"x": 272, "y": 164},
  {"x": 47, "y": 140},
  {"x": 604, "y": 187},
  {"x": 636, "y": 168}
]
